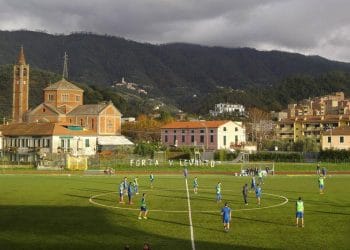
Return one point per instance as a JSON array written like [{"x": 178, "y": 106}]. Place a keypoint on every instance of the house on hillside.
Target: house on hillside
[
  {"x": 210, "y": 135},
  {"x": 336, "y": 138}
]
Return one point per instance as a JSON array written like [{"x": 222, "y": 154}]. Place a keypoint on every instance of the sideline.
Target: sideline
[{"x": 190, "y": 215}]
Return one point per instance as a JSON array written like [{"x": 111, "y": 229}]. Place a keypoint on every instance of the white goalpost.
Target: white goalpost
[{"x": 250, "y": 168}]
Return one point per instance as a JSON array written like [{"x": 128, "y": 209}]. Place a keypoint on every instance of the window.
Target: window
[
  {"x": 224, "y": 140},
  {"x": 44, "y": 110},
  {"x": 201, "y": 138},
  {"x": 192, "y": 131},
  {"x": 166, "y": 131},
  {"x": 48, "y": 143},
  {"x": 236, "y": 139},
  {"x": 87, "y": 143},
  {"x": 64, "y": 97},
  {"x": 202, "y": 131},
  {"x": 174, "y": 131},
  {"x": 62, "y": 143},
  {"x": 166, "y": 138},
  {"x": 236, "y": 129},
  {"x": 174, "y": 139},
  {"x": 224, "y": 128},
  {"x": 51, "y": 97},
  {"x": 77, "y": 98},
  {"x": 341, "y": 139},
  {"x": 192, "y": 138},
  {"x": 183, "y": 131},
  {"x": 211, "y": 138},
  {"x": 110, "y": 124},
  {"x": 92, "y": 123},
  {"x": 212, "y": 131},
  {"x": 81, "y": 122},
  {"x": 329, "y": 139},
  {"x": 183, "y": 138}
]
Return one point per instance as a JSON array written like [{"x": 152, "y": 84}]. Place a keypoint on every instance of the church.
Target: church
[{"x": 71, "y": 121}]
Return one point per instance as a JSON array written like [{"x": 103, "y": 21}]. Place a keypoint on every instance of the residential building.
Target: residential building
[
  {"x": 333, "y": 104},
  {"x": 301, "y": 127},
  {"x": 337, "y": 138},
  {"x": 227, "y": 108},
  {"x": 210, "y": 135},
  {"x": 24, "y": 138}
]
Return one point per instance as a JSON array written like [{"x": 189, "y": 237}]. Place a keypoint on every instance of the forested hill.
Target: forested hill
[{"x": 185, "y": 69}]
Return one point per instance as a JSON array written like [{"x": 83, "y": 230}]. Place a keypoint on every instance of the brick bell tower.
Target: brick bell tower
[{"x": 20, "y": 88}]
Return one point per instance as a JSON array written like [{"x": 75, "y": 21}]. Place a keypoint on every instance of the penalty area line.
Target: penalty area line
[{"x": 190, "y": 216}]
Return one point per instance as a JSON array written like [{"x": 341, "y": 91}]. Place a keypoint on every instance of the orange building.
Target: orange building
[
  {"x": 63, "y": 103},
  {"x": 20, "y": 88}
]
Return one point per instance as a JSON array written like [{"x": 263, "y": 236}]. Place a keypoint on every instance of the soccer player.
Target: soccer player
[
  {"x": 185, "y": 172},
  {"x": 151, "y": 178},
  {"x": 195, "y": 185},
  {"x": 130, "y": 192},
  {"x": 253, "y": 185},
  {"x": 121, "y": 192},
  {"x": 324, "y": 171},
  {"x": 258, "y": 193},
  {"x": 125, "y": 183},
  {"x": 245, "y": 193},
  {"x": 260, "y": 174},
  {"x": 136, "y": 185},
  {"x": 226, "y": 217},
  {"x": 321, "y": 183},
  {"x": 300, "y": 212},
  {"x": 218, "y": 192},
  {"x": 144, "y": 209},
  {"x": 318, "y": 169}
]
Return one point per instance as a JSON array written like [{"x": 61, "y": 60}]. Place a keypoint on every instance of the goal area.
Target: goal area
[{"x": 251, "y": 168}]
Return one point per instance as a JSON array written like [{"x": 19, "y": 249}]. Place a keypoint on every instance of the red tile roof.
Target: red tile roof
[
  {"x": 195, "y": 124},
  {"x": 41, "y": 129},
  {"x": 338, "y": 131}
]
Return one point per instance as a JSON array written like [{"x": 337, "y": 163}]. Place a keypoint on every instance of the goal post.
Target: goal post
[{"x": 248, "y": 168}]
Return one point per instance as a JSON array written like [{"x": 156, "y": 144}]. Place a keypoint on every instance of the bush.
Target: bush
[
  {"x": 331, "y": 155},
  {"x": 277, "y": 156},
  {"x": 224, "y": 155}
]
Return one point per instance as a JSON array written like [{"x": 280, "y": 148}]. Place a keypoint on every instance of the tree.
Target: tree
[{"x": 259, "y": 126}]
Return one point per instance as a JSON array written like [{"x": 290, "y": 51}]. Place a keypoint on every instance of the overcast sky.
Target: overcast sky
[{"x": 319, "y": 27}]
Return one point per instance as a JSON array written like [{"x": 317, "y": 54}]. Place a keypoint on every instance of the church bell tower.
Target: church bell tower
[{"x": 20, "y": 89}]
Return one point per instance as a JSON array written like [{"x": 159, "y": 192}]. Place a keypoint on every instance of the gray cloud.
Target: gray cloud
[{"x": 310, "y": 27}]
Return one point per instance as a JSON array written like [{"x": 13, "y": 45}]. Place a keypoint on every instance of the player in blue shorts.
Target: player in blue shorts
[
  {"x": 121, "y": 192},
  {"x": 226, "y": 217},
  {"x": 151, "y": 178},
  {"x": 143, "y": 208},
  {"x": 130, "y": 192},
  {"x": 125, "y": 183},
  {"x": 299, "y": 205},
  {"x": 321, "y": 184},
  {"x": 258, "y": 193},
  {"x": 195, "y": 185},
  {"x": 185, "y": 172},
  {"x": 253, "y": 185},
  {"x": 218, "y": 192}
]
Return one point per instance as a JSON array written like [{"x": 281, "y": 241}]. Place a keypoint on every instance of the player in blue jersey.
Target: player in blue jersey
[
  {"x": 195, "y": 185},
  {"x": 151, "y": 179},
  {"x": 253, "y": 184},
  {"x": 258, "y": 193},
  {"x": 185, "y": 172},
  {"x": 125, "y": 183},
  {"x": 226, "y": 217},
  {"x": 218, "y": 192},
  {"x": 130, "y": 192}
]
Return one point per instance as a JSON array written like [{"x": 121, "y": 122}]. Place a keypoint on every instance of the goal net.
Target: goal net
[{"x": 252, "y": 168}]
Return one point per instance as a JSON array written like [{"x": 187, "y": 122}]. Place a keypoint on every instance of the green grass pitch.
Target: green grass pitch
[{"x": 54, "y": 212}]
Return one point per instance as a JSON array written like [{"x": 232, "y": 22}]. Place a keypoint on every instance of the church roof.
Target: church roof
[
  {"x": 62, "y": 84},
  {"x": 88, "y": 109}
]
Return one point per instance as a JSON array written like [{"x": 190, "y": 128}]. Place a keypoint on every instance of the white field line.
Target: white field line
[
  {"x": 92, "y": 201},
  {"x": 190, "y": 215}
]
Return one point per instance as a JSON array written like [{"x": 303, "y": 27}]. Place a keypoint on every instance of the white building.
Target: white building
[
  {"x": 23, "y": 138},
  {"x": 222, "y": 108}
]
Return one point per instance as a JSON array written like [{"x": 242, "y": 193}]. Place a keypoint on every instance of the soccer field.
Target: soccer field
[{"x": 82, "y": 212}]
